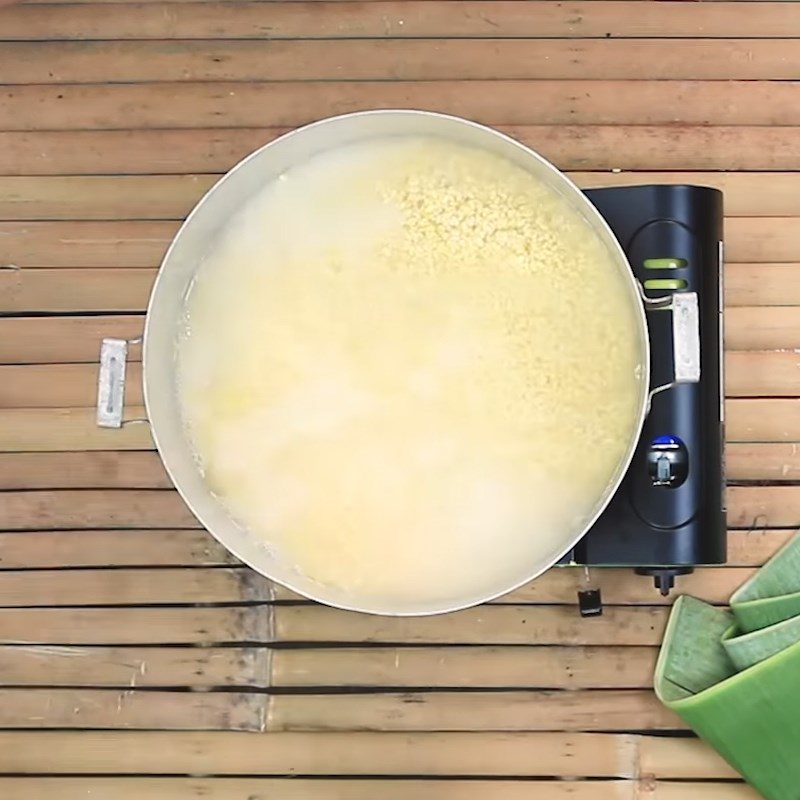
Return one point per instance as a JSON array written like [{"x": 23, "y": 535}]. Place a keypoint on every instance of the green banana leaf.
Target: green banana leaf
[{"x": 752, "y": 718}]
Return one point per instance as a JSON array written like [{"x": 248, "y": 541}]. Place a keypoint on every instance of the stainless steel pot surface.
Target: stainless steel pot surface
[{"x": 195, "y": 239}]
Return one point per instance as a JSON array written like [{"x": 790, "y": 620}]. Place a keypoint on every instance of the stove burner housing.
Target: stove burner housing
[{"x": 669, "y": 513}]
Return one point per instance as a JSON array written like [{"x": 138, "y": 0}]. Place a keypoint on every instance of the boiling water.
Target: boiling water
[{"x": 411, "y": 369}]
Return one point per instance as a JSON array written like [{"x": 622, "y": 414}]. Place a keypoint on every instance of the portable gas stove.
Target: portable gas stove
[{"x": 669, "y": 512}]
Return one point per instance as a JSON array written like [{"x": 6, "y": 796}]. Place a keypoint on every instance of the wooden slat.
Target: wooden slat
[
  {"x": 618, "y": 586},
  {"x": 748, "y": 374},
  {"x": 747, "y": 194},
  {"x": 756, "y": 546},
  {"x": 111, "y": 548},
  {"x": 134, "y": 667},
  {"x": 48, "y": 340},
  {"x": 109, "y": 469},
  {"x": 499, "y": 624},
  {"x": 106, "y": 708},
  {"x": 269, "y": 104},
  {"x": 762, "y": 420},
  {"x": 746, "y": 284},
  {"x": 466, "y": 667},
  {"x": 150, "y": 197},
  {"x": 448, "y": 667},
  {"x": 488, "y": 625},
  {"x": 132, "y": 587},
  {"x": 197, "y": 548},
  {"x": 48, "y": 429},
  {"x": 74, "y": 429},
  {"x": 335, "y": 789},
  {"x": 762, "y": 462},
  {"x": 748, "y": 506},
  {"x": 759, "y": 239},
  {"x": 332, "y": 789},
  {"x": 515, "y": 710},
  {"x": 763, "y": 506},
  {"x": 673, "y": 757},
  {"x": 55, "y": 340},
  {"x": 754, "y": 374},
  {"x": 395, "y": 59},
  {"x": 90, "y": 508},
  {"x": 134, "y": 625},
  {"x": 60, "y": 385},
  {"x": 22, "y": 430},
  {"x": 215, "y": 150},
  {"x": 582, "y": 710},
  {"x": 48, "y": 290},
  {"x": 759, "y": 328},
  {"x": 153, "y": 197},
  {"x": 358, "y": 753},
  {"x": 762, "y": 284},
  {"x": 400, "y": 19},
  {"x": 84, "y": 244},
  {"x": 108, "y": 246},
  {"x": 103, "y": 290},
  {"x": 166, "y": 586}
]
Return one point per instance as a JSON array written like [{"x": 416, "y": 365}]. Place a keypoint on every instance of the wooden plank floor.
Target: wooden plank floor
[{"x": 137, "y": 658}]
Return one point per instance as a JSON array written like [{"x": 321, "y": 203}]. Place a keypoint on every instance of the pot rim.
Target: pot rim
[{"x": 594, "y": 218}]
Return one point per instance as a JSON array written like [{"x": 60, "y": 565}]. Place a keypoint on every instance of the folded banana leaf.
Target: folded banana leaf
[
  {"x": 746, "y": 649},
  {"x": 773, "y": 593},
  {"x": 752, "y": 718}
]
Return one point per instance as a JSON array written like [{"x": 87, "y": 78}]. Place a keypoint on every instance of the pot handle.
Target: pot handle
[
  {"x": 111, "y": 382},
  {"x": 685, "y": 336}
]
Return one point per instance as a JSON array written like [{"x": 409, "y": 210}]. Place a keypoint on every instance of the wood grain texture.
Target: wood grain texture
[
  {"x": 197, "y": 548},
  {"x": 359, "y": 753},
  {"x": 107, "y": 469},
  {"x": 111, "y": 548},
  {"x": 174, "y": 586},
  {"x": 759, "y": 328},
  {"x": 762, "y": 284},
  {"x": 60, "y": 385},
  {"x": 215, "y": 150},
  {"x": 115, "y": 118},
  {"x": 76, "y": 339},
  {"x": 143, "y": 470},
  {"x": 302, "y": 789},
  {"x": 69, "y": 429},
  {"x": 358, "y": 667},
  {"x": 82, "y": 244},
  {"x": 55, "y": 340},
  {"x": 747, "y": 374},
  {"x": 110, "y": 245},
  {"x": 31, "y": 430},
  {"x": 276, "y": 104},
  {"x": 400, "y": 19},
  {"x": 748, "y": 507},
  {"x": 336, "y": 789},
  {"x": 406, "y": 60},
  {"x": 45, "y": 290},
  {"x": 489, "y": 625},
  {"x": 105, "y": 708},
  {"x": 581, "y": 710},
  {"x": 514, "y": 710},
  {"x": 762, "y": 420},
  {"x": 135, "y": 667}
]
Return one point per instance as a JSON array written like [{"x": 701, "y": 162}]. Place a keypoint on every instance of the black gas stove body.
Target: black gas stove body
[{"x": 669, "y": 512}]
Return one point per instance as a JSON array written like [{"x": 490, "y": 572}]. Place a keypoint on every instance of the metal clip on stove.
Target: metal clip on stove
[{"x": 685, "y": 335}]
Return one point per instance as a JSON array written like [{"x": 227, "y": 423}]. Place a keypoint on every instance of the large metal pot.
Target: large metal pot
[{"x": 195, "y": 239}]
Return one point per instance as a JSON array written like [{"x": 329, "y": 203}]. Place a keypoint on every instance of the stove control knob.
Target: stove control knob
[{"x": 667, "y": 462}]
